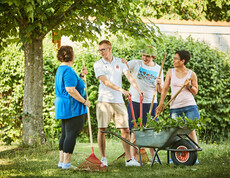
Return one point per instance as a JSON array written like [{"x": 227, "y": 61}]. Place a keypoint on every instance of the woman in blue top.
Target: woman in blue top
[{"x": 70, "y": 104}]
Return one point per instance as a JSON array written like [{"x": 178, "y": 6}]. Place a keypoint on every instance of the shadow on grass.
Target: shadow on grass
[{"x": 41, "y": 161}]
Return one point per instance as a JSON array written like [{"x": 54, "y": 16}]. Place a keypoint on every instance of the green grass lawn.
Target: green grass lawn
[{"x": 41, "y": 161}]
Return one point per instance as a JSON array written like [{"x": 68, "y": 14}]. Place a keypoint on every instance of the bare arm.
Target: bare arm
[
  {"x": 111, "y": 85},
  {"x": 164, "y": 91},
  {"x": 124, "y": 61},
  {"x": 160, "y": 87},
  {"x": 192, "y": 85},
  {"x": 76, "y": 95},
  {"x": 133, "y": 82}
]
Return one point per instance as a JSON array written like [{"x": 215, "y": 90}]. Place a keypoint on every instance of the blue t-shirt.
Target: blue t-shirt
[{"x": 65, "y": 105}]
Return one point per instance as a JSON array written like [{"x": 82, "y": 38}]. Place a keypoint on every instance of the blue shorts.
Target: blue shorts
[
  {"x": 189, "y": 111},
  {"x": 145, "y": 110}
]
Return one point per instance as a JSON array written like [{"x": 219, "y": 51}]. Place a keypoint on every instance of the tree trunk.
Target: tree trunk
[{"x": 33, "y": 130}]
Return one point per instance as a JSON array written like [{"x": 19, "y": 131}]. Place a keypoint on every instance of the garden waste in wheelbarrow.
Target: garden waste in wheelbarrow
[{"x": 183, "y": 148}]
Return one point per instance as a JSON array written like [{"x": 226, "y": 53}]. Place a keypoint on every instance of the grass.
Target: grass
[{"x": 41, "y": 161}]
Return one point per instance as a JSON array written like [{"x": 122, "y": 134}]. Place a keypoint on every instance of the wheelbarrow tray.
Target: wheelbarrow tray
[
  {"x": 150, "y": 138},
  {"x": 163, "y": 140}
]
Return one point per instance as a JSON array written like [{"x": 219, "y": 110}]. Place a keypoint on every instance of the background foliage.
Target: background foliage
[
  {"x": 211, "y": 66},
  {"x": 201, "y": 10},
  {"x": 11, "y": 93},
  {"x": 28, "y": 22}
]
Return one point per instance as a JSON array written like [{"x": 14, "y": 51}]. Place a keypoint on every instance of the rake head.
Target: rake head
[
  {"x": 92, "y": 163},
  {"x": 144, "y": 156}
]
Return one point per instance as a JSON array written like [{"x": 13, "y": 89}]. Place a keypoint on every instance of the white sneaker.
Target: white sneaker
[
  {"x": 104, "y": 161},
  {"x": 132, "y": 162},
  {"x": 60, "y": 165}
]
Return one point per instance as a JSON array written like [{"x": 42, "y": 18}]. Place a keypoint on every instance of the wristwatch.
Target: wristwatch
[{"x": 190, "y": 86}]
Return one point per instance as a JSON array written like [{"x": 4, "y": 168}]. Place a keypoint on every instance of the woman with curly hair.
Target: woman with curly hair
[{"x": 70, "y": 104}]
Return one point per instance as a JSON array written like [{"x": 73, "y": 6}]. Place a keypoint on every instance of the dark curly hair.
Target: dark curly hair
[
  {"x": 65, "y": 54},
  {"x": 184, "y": 55}
]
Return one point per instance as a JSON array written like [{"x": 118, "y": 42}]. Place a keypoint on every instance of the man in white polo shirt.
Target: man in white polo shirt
[{"x": 110, "y": 103}]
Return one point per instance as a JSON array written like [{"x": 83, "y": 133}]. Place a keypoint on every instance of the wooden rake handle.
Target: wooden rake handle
[
  {"x": 155, "y": 92},
  {"x": 88, "y": 111},
  {"x": 170, "y": 101}
]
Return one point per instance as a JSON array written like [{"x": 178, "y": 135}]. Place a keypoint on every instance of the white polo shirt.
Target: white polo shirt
[{"x": 113, "y": 72}]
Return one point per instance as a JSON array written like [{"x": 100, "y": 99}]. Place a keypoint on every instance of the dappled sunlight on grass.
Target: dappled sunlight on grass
[
  {"x": 7, "y": 147},
  {"x": 41, "y": 161},
  {"x": 4, "y": 162}
]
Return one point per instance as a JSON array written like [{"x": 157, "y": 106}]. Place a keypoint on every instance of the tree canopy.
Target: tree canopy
[
  {"x": 29, "y": 21},
  {"x": 82, "y": 19},
  {"x": 201, "y": 10}
]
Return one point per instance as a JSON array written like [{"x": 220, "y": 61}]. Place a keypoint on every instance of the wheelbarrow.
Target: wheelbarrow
[
  {"x": 175, "y": 140},
  {"x": 183, "y": 148}
]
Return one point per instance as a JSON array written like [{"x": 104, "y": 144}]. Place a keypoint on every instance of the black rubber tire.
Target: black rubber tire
[{"x": 185, "y": 157}]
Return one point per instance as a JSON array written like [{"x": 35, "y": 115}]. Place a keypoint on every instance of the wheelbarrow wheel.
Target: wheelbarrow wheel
[{"x": 183, "y": 157}]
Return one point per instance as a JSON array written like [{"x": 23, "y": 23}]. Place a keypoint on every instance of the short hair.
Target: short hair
[
  {"x": 106, "y": 42},
  {"x": 65, "y": 54},
  {"x": 184, "y": 55}
]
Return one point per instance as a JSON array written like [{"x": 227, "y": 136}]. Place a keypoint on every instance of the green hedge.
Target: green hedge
[
  {"x": 213, "y": 71},
  {"x": 210, "y": 65},
  {"x": 11, "y": 92}
]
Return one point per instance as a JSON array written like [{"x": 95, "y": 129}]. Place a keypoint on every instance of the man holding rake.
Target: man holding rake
[
  {"x": 146, "y": 74},
  {"x": 110, "y": 103}
]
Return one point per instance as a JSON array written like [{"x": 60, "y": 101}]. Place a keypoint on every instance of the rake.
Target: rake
[
  {"x": 155, "y": 92},
  {"x": 178, "y": 92},
  {"x": 144, "y": 156},
  {"x": 92, "y": 163}
]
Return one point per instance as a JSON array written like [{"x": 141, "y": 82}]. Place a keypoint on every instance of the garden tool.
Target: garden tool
[
  {"x": 92, "y": 163},
  {"x": 170, "y": 101},
  {"x": 155, "y": 92},
  {"x": 144, "y": 156}
]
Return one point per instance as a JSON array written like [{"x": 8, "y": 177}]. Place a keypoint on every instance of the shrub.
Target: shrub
[
  {"x": 11, "y": 93},
  {"x": 210, "y": 65},
  {"x": 213, "y": 72}
]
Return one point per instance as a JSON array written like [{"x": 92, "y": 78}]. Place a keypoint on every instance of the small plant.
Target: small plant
[{"x": 164, "y": 123}]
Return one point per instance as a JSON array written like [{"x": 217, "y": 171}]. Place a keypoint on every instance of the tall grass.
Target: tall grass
[{"x": 41, "y": 161}]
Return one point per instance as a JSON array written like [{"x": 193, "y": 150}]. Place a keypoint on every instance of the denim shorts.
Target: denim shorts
[{"x": 189, "y": 111}]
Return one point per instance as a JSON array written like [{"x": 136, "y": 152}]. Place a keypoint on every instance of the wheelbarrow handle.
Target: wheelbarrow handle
[{"x": 123, "y": 139}]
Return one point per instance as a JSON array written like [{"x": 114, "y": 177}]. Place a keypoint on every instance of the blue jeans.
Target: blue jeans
[
  {"x": 190, "y": 112},
  {"x": 145, "y": 110}
]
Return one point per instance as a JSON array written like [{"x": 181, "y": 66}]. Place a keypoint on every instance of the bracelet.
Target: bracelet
[
  {"x": 190, "y": 87},
  {"x": 84, "y": 102},
  {"x": 81, "y": 75}
]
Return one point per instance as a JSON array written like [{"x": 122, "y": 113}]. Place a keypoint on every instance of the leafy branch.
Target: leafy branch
[{"x": 163, "y": 123}]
